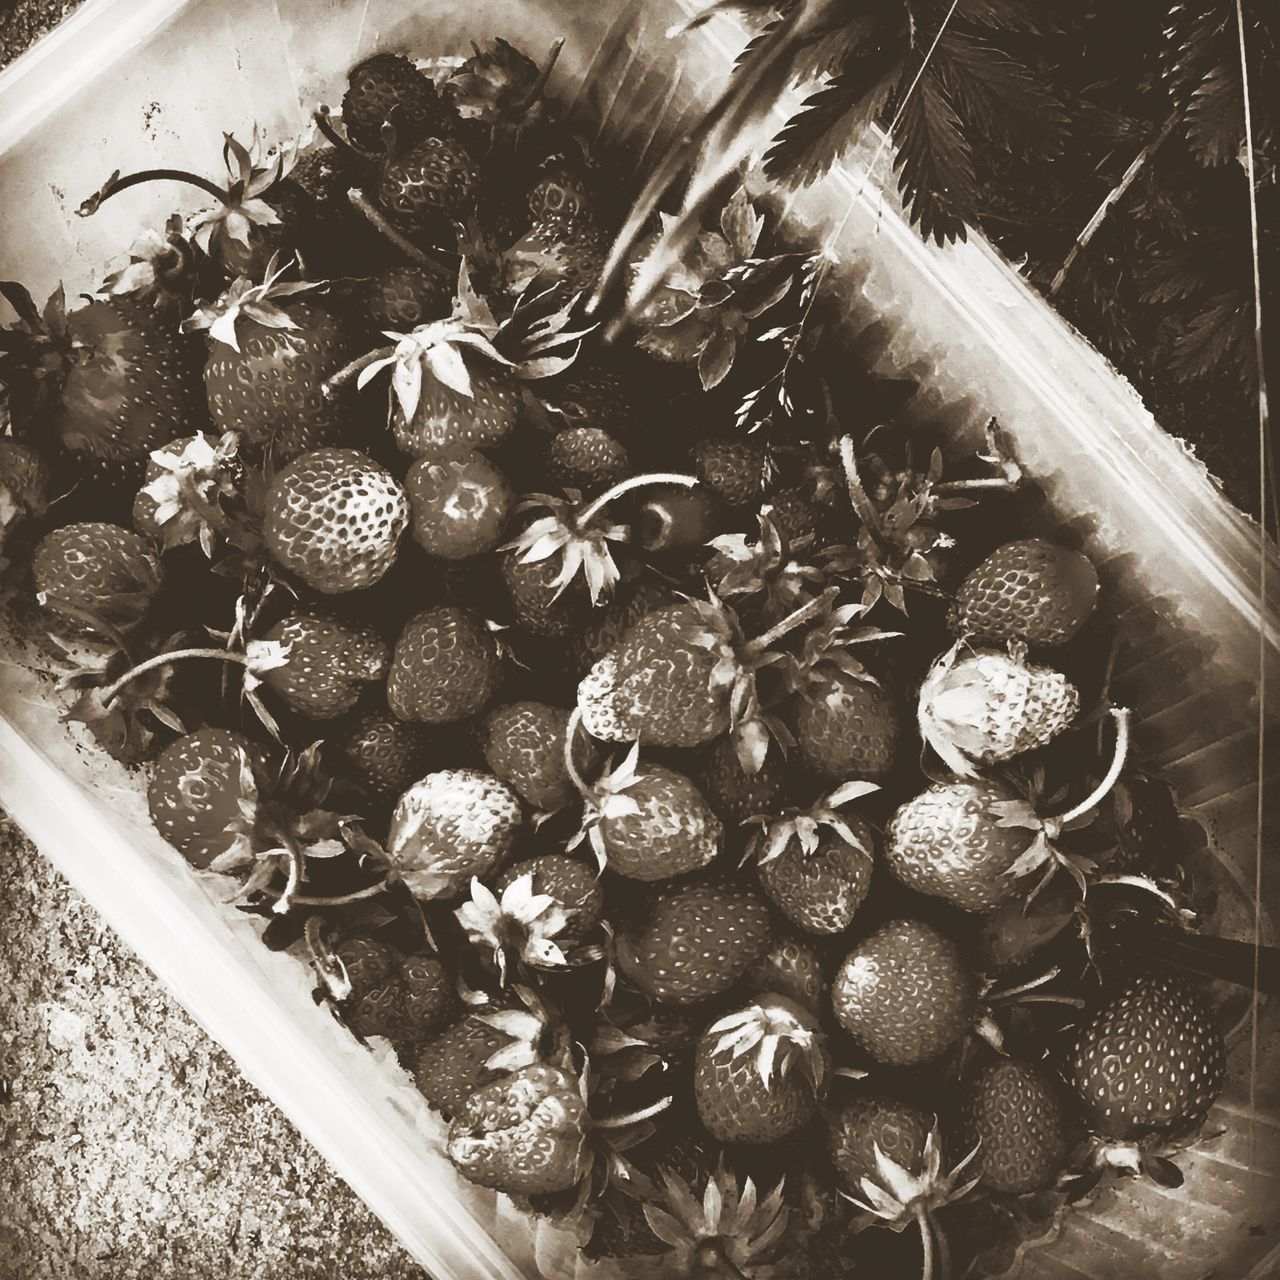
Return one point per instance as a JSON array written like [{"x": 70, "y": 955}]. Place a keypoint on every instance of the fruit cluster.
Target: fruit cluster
[{"x": 729, "y": 827}]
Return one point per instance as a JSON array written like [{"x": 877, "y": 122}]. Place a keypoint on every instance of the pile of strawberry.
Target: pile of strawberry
[{"x": 721, "y": 812}]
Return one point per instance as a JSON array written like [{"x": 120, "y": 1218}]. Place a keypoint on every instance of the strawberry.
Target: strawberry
[
  {"x": 540, "y": 604},
  {"x": 817, "y": 878},
  {"x": 873, "y": 1120},
  {"x": 523, "y": 1134},
  {"x": 725, "y": 1229},
  {"x": 987, "y": 706},
  {"x": 451, "y": 392},
  {"x": 797, "y": 517},
  {"x": 524, "y": 746},
  {"x": 450, "y": 826},
  {"x": 648, "y": 822},
  {"x": 1031, "y": 591},
  {"x": 384, "y": 754},
  {"x": 386, "y": 87},
  {"x": 904, "y": 994},
  {"x": 270, "y": 353},
  {"x": 734, "y": 794},
  {"x": 446, "y": 666},
  {"x": 404, "y": 998},
  {"x": 677, "y": 521},
  {"x": 560, "y": 250},
  {"x": 89, "y": 573},
  {"x": 847, "y": 726},
  {"x": 460, "y": 504},
  {"x": 403, "y": 298},
  {"x": 108, "y": 382},
  {"x": 329, "y": 663},
  {"x": 760, "y": 1071},
  {"x": 180, "y": 498},
  {"x": 429, "y": 185},
  {"x": 195, "y": 794},
  {"x": 588, "y": 459},
  {"x": 790, "y": 967},
  {"x": 566, "y": 187},
  {"x": 335, "y": 517},
  {"x": 735, "y": 470},
  {"x": 499, "y": 88},
  {"x": 1150, "y": 1060},
  {"x": 609, "y": 624},
  {"x": 949, "y": 842},
  {"x": 596, "y": 395},
  {"x": 1012, "y": 1113},
  {"x": 698, "y": 942},
  {"x": 573, "y": 885},
  {"x": 455, "y": 1062},
  {"x": 516, "y": 929}
]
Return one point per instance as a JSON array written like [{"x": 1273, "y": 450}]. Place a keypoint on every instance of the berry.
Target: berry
[
  {"x": 384, "y": 754},
  {"x": 524, "y": 746},
  {"x": 540, "y": 604},
  {"x": 904, "y": 994},
  {"x": 329, "y": 663},
  {"x": 460, "y": 505},
  {"x": 87, "y": 572},
  {"x": 1011, "y": 1112},
  {"x": 402, "y": 298},
  {"x": 446, "y": 666},
  {"x": 430, "y": 184},
  {"x": 732, "y": 792},
  {"x": 335, "y": 517},
  {"x": 451, "y": 1065},
  {"x": 846, "y": 727},
  {"x": 1030, "y": 590},
  {"x": 575, "y": 887},
  {"x": 450, "y": 826},
  {"x": 385, "y": 87},
  {"x": 820, "y": 890},
  {"x": 588, "y": 459},
  {"x": 790, "y": 967},
  {"x": 736, "y": 471},
  {"x": 869, "y": 1121}
]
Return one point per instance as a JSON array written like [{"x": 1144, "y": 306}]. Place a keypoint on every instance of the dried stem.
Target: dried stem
[
  {"x": 1122, "y": 716},
  {"x": 117, "y": 185},
  {"x": 350, "y": 372},
  {"x": 795, "y": 619},
  {"x": 392, "y": 234},
  {"x": 585, "y": 517},
  {"x": 163, "y": 659}
]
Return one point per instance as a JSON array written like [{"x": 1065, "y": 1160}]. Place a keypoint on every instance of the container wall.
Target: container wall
[{"x": 139, "y": 83}]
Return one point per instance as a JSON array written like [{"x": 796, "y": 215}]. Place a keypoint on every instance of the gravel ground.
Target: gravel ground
[{"x": 129, "y": 1145}]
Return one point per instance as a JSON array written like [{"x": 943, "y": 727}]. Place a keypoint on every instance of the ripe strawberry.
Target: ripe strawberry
[
  {"x": 572, "y": 883},
  {"x": 797, "y": 517},
  {"x": 648, "y": 822},
  {"x": 270, "y": 352},
  {"x": 660, "y": 684},
  {"x": 607, "y": 625},
  {"x": 869, "y": 1121},
  {"x": 698, "y": 942},
  {"x": 677, "y": 521},
  {"x": 847, "y": 726},
  {"x": 1150, "y": 1059},
  {"x": 446, "y": 666},
  {"x": 460, "y": 504},
  {"x": 1012, "y": 1113},
  {"x": 760, "y": 1071},
  {"x": 733, "y": 793},
  {"x": 790, "y": 967},
  {"x": 402, "y": 298},
  {"x": 329, "y": 663},
  {"x": 948, "y": 842},
  {"x": 817, "y": 878},
  {"x": 89, "y": 571},
  {"x": 335, "y": 517},
  {"x": 108, "y": 382},
  {"x": 523, "y": 1134},
  {"x": 500, "y": 89},
  {"x": 451, "y": 826},
  {"x": 988, "y": 706},
  {"x": 384, "y": 754},
  {"x": 452, "y": 393},
  {"x": 557, "y": 250},
  {"x": 404, "y": 998},
  {"x": 1030, "y": 590},
  {"x": 541, "y": 606},
  {"x": 195, "y": 792},
  {"x": 596, "y": 395},
  {"x": 454, "y": 1063},
  {"x": 524, "y": 746},
  {"x": 735, "y": 470},
  {"x": 588, "y": 459},
  {"x": 904, "y": 994},
  {"x": 429, "y": 185},
  {"x": 386, "y": 87},
  {"x": 565, "y": 187}
]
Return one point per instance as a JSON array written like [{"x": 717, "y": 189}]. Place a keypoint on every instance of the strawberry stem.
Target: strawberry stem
[
  {"x": 959, "y": 486},
  {"x": 1122, "y": 716},
  {"x": 793, "y": 620},
  {"x": 117, "y": 184},
  {"x": 357, "y": 895},
  {"x": 349, "y": 372},
  {"x": 382, "y": 225},
  {"x": 324, "y": 122},
  {"x": 585, "y": 517},
  {"x": 633, "y": 1117},
  {"x": 163, "y": 659},
  {"x": 926, "y": 1243}
]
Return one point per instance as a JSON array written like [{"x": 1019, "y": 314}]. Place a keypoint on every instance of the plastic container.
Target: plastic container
[{"x": 139, "y": 83}]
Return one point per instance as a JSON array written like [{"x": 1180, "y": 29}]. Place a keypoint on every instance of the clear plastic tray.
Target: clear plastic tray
[{"x": 140, "y": 83}]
